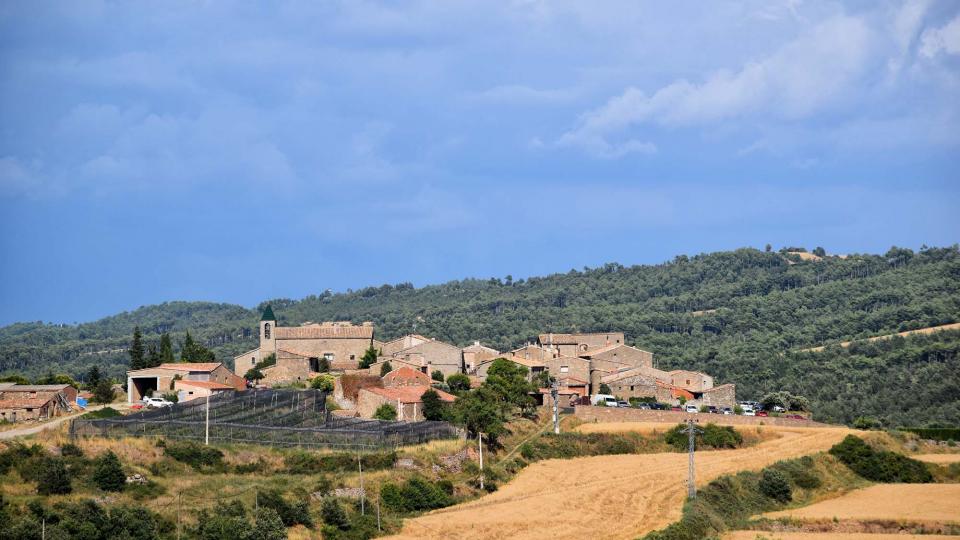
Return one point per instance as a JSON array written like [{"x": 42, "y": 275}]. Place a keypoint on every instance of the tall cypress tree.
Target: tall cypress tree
[
  {"x": 166, "y": 349},
  {"x": 153, "y": 356},
  {"x": 186, "y": 351},
  {"x": 136, "y": 350}
]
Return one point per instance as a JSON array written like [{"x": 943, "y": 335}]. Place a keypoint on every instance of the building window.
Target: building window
[
  {"x": 631, "y": 388},
  {"x": 266, "y": 330},
  {"x": 353, "y": 357},
  {"x": 688, "y": 382},
  {"x": 564, "y": 369},
  {"x": 328, "y": 356},
  {"x": 583, "y": 347},
  {"x": 253, "y": 361}
]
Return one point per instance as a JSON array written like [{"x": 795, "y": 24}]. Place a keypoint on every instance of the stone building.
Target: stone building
[
  {"x": 298, "y": 349},
  {"x": 475, "y": 354},
  {"x": 668, "y": 387},
  {"x": 20, "y": 402},
  {"x": 406, "y": 376},
  {"x": 574, "y": 344},
  {"x": 407, "y": 400},
  {"x": 388, "y": 348},
  {"x": 189, "y": 390},
  {"x": 429, "y": 356},
  {"x": 146, "y": 382}
]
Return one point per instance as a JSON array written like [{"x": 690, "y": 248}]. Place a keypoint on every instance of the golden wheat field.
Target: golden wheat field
[
  {"x": 753, "y": 535},
  {"x": 612, "y": 497},
  {"x": 939, "y": 459},
  {"x": 908, "y": 502}
]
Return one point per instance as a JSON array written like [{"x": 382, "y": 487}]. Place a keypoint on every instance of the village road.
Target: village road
[{"x": 37, "y": 428}]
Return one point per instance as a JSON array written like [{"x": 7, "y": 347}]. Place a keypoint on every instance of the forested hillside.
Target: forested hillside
[{"x": 739, "y": 315}]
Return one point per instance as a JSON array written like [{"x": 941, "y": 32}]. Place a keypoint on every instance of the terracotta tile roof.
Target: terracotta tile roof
[
  {"x": 190, "y": 366},
  {"x": 205, "y": 384},
  {"x": 476, "y": 347},
  {"x": 408, "y": 374},
  {"x": 24, "y": 403},
  {"x": 322, "y": 331},
  {"x": 600, "y": 350},
  {"x": 676, "y": 392},
  {"x": 409, "y": 394},
  {"x": 557, "y": 339},
  {"x": 36, "y": 387}
]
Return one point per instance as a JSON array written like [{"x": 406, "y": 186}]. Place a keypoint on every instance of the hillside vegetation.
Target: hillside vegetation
[{"x": 743, "y": 316}]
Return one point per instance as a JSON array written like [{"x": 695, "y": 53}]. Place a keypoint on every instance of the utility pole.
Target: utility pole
[
  {"x": 179, "y": 498},
  {"x": 554, "y": 393},
  {"x": 206, "y": 428},
  {"x": 691, "y": 430},
  {"x": 362, "y": 493},
  {"x": 480, "y": 446},
  {"x": 378, "y": 514}
]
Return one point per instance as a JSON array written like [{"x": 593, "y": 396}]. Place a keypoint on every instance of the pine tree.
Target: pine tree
[
  {"x": 103, "y": 392},
  {"x": 186, "y": 350},
  {"x": 369, "y": 358},
  {"x": 93, "y": 377},
  {"x": 166, "y": 349},
  {"x": 153, "y": 356},
  {"x": 136, "y": 350},
  {"x": 195, "y": 352},
  {"x": 108, "y": 473},
  {"x": 54, "y": 478}
]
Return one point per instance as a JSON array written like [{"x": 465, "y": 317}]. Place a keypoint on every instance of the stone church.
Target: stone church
[{"x": 298, "y": 349}]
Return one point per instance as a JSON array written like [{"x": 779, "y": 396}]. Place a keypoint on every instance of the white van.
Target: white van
[
  {"x": 692, "y": 409},
  {"x": 606, "y": 399}
]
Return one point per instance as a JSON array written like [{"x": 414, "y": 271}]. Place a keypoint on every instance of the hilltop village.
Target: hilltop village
[{"x": 580, "y": 363}]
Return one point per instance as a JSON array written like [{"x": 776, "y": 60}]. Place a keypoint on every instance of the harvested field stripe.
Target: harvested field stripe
[
  {"x": 940, "y": 459},
  {"x": 621, "y": 496},
  {"x": 907, "y": 502},
  {"x": 752, "y": 535}
]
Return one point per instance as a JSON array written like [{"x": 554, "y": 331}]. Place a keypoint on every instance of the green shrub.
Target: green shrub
[
  {"x": 710, "y": 436},
  {"x": 196, "y": 455},
  {"x": 867, "y": 422},
  {"x": 142, "y": 492},
  {"x": 108, "y": 473},
  {"x": 333, "y": 514},
  {"x": 53, "y": 478},
  {"x": 774, "y": 484},
  {"x": 416, "y": 494},
  {"x": 937, "y": 434},
  {"x": 106, "y": 412},
  {"x": 258, "y": 466},
  {"x": 386, "y": 412},
  {"x": 323, "y": 383},
  {"x": 291, "y": 514},
  {"x": 800, "y": 473},
  {"x": 71, "y": 450},
  {"x": 879, "y": 465},
  {"x": 16, "y": 453}
]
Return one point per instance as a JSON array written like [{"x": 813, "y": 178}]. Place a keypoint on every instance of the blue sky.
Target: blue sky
[{"x": 240, "y": 152}]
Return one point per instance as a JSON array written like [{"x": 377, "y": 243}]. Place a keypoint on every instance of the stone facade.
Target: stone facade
[
  {"x": 406, "y": 400},
  {"x": 19, "y": 402},
  {"x": 389, "y": 348},
  {"x": 619, "y": 356},
  {"x": 432, "y": 355},
  {"x": 693, "y": 381},
  {"x": 569, "y": 367},
  {"x": 476, "y": 354},
  {"x": 721, "y": 396},
  {"x": 574, "y": 344},
  {"x": 406, "y": 376},
  {"x": 299, "y": 349},
  {"x": 143, "y": 383}
]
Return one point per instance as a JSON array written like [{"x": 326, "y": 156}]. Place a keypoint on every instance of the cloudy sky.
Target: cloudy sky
[{"x": 209, "y": 151}]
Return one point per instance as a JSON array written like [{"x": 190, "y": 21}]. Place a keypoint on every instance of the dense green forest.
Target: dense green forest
[{"x": 741, "y": 316}]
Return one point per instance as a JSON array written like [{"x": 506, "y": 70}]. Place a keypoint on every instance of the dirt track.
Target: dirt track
[
  {"x": 939, "y": 459},
  {"x": 604, "y": 497}
]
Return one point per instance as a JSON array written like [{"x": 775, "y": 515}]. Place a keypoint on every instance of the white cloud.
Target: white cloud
[
  {"x": 945, "y": 39},
  {"x": 812, "y": 72},
  {"x": 516, "y": 94}
]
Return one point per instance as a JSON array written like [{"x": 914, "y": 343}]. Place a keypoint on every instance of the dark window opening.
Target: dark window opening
[{"x": 266, "y": 330}]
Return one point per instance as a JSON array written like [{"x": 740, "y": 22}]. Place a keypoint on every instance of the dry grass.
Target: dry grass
[
  {"x": 621, "y": 496},
  {"x": 939, "y": 459},
  {"x": 908, "y": 502},
  {"x": 928, "y": 330},
  {"x": 754, "y": 535}
]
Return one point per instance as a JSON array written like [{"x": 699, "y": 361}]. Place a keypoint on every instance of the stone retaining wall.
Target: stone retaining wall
[{"x": 589, "y": 413}]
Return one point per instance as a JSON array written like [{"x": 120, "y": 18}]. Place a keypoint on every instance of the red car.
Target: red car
[
  {"x": 795, "y": 417},
  {"x": 762, "y": 413},
  {"x": 676, "y": 409}
]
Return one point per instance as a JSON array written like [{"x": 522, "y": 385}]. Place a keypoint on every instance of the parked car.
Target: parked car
[
  {"x": 623, "y": 404},
  {"x": 156, "y": 402},
  {"x": 691, "y": 409},
  {"x": 676, "y": 409},
  {"x": 762, "y": 413},
  {"x": 777, "y": 408},
  {"x": 644, "y": 406},
  {"x": 713, "y": 410},
  {"x": 748, "y": 412},
  {"x": 607, "y": 400},
  {"x": 727, "y": 410}
]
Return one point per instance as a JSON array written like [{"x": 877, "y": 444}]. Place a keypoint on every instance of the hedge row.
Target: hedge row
[{"x": 936, "y": 434}]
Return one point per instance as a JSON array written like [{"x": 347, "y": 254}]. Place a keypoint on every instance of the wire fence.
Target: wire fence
[{"x": 266, "y": 417}]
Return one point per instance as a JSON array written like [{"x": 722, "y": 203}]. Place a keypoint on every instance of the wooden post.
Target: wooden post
[
  {"x": 206, "y": 436},
  {"x": 360, "y": 466}
]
